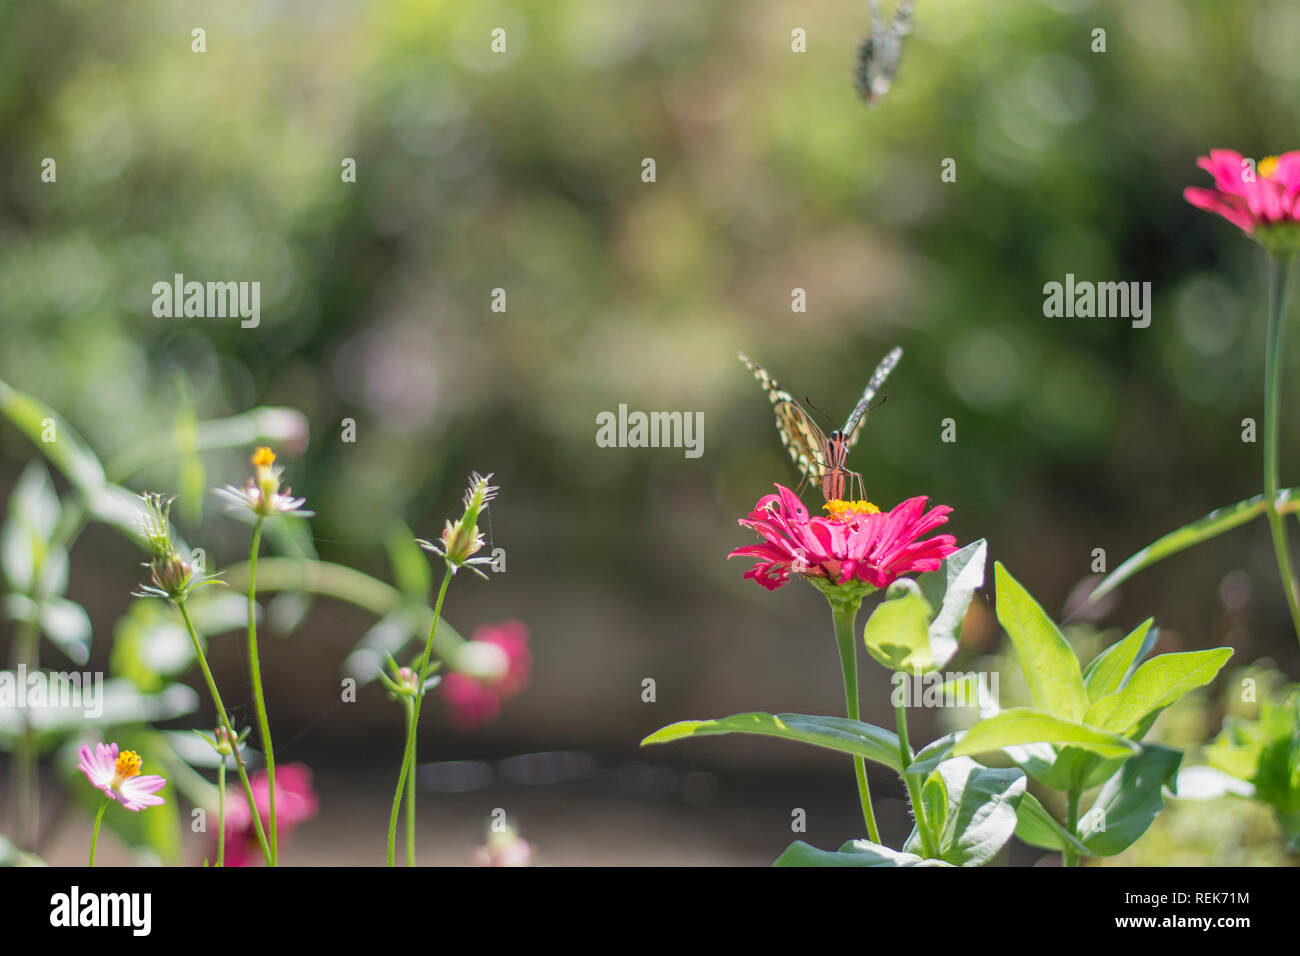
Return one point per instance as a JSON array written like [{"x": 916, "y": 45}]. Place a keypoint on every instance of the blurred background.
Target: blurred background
[{"x": 522, "y": 171}]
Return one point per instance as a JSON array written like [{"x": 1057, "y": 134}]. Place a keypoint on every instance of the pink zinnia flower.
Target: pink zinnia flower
[
  {"x": 856, "y": 541},
  {"x": 1264, "y": 201},
  {"x": 295, "y": 801},
  {"x": 498, "y": 662},
  {"x": 118, "y": 775}
]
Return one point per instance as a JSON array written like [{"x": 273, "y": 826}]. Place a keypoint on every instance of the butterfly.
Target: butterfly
[
  {"x": 877, "y": 63},
  {"x": 822, "y": 458}
]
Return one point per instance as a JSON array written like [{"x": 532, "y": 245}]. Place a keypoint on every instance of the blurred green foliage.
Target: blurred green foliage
[{"x": 522, "y": 171}]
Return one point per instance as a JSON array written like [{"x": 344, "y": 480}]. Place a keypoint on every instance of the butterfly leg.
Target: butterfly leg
[
  {"x": 809, "y": 477},
  {"x": 862, "y": 489}
]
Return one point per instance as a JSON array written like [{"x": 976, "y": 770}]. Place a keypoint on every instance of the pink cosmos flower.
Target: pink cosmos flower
[
  {"x": 1266, "y": 197},
  {"x": 499, "y": 662},
  {"x": 856, "y": 541},
  {"x": 295, "y": 801},
  {"x": 118, "y": 775}
]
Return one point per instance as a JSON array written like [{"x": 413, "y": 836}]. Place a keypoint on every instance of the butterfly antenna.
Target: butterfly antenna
[
  {"x": 830, "y": 421},
  {"x": 875, "y": 405}
]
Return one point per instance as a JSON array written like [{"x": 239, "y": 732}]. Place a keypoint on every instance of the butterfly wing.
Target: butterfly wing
[
  {"x": 799, "y": 433},
  {"x": 851, "y": 427}
]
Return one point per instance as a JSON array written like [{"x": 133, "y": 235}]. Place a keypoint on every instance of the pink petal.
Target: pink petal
[
  {"x": 1225, "y": 165},
  {"x": 1231, "y": 208}
]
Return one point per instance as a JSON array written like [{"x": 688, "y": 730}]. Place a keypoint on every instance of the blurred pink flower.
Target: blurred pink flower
[
  {"x": 506, "y": 848},
  {"x": 119, "y": 776},
  {"x": 499, "y": 664},
  {"x": 1249, "y": 196},
  {"x": 855, "y": 542},
  {"x": 295, "y": 801}
]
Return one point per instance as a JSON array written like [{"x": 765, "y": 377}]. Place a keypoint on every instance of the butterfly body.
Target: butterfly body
[
  {"x": 835, "y": 477},
  {"x": 821, "y": 458}
]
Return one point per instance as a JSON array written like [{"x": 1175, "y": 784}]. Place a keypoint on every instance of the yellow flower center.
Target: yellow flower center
[
  {"x": 128, "y": 765},
  {"x": 263, "y": 458},
  {"x": 844, "y": 510},
  {"x": 1268, "y": 167}
]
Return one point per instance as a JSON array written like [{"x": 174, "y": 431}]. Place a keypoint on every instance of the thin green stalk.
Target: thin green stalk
[
  {"x": 255, "y": 672},
  {"x": 409, "y": 707},
  {"x": 225, "y": 725},
  {"x": 844, "y": 614},
  {"x": 913, "y": 785},
  {"x": 1277, "y": 273},
  {"x": 221, "y": 811},
  {"x": 1070, "y": 854},
  {"x": 408, "y": 756},
  {"x": 94, "y": 834},
  {"x": 26, "y": 780}
]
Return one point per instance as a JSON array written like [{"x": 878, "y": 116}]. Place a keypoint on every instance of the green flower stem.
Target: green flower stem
[
  {"x": 1070, "y": 854},
  {"x": 1277, "y": 270},
  {"x": 913, "y": 786},
  {"x": 26, "y": 781},
  {"x": 94, "y": 834},
  {"x": 255, "y": 672},
  {"x": 408, "y": 757},
  {"x": 844, "y": 613},
  {"x": 409, "y": 705},
  {"x": 221, "y": 811},
  {"x": 225, "y": 725}
]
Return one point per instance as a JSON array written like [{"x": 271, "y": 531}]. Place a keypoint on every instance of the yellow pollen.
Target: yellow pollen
[
  {"x": 128, "y": 764},
  {"x": 263, "y": 458},
  {"x": 844, "y": 510},
  {"x": 1268, "y": 167}
]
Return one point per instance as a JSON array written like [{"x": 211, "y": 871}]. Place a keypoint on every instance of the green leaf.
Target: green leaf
[
  {"x": 385, "y": 637},
  {"x": 833, "y": 733},
  {"x": 934, "y": 801},
  {"x": 898, "y": 632},
  {"x": 151, "y": 644},
  {"x": 981, "y": 810},
  {"x": 1156, "y": 684},
  {"x": 1039, "y": 828},
  {"x": 1203, "y": 529},
  {"x": 55, "y": 438},
  {"x": 855, "y": 853},
  {"x": 29, "y": 563},
  {"x": 1050, "y": 667},
  {"x": 10, "y": 855},
  {"x": 931, "y": 755},
  {"x": 1208, "y": 783},
  {"x": 1129, "y": 801},
  {"x": 1237, "y": 748},
  {"x": 411, "y": 569},
  {"x": 67, "y": 625},
  {"x": 115, "y": 702},
  {"x": 1109, "y": 670},
  {"x": 265, "y": 425},
  {"x": 1025, "y": 725},
  {"x": 949, "y": 591}
]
